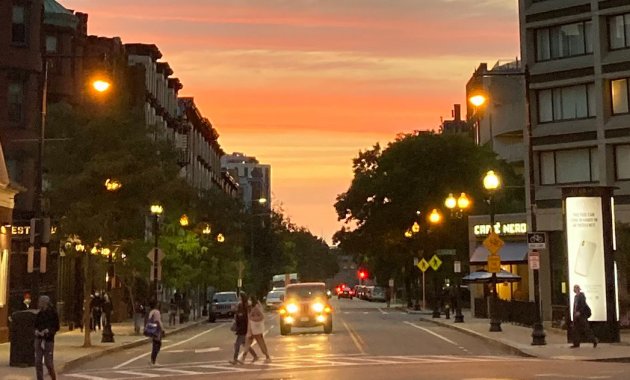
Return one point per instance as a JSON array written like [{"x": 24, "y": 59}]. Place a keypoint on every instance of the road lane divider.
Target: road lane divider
[
  {"x": 358, "y": 342},
  {"x": 432, "y": 333},
  {"x": 146, "y": 354}
]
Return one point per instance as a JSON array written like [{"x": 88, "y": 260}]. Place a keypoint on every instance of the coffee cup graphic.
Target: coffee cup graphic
[{"x": 584, "y": 257}]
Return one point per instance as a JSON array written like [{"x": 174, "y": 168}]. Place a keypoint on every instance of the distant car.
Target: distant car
[
  {"x": 274, "y": 299},
  {"x": 360, "y": 292},
  {"x": 377, "y": 294},
  {"x": 305, "y": 305},
  {"x": 223, "y": 305},
  {"x": 345, "y": 292}
]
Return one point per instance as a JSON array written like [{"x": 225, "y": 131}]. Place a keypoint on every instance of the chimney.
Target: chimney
[{"x": 457, "y": 112}]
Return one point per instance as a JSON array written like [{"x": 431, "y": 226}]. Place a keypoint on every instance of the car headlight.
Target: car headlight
[
  {"x": 318, "y": 307},
  {"x": 292, "y": 308}
]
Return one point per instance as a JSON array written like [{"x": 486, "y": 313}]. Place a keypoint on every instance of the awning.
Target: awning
[
  {"x": 511, "y": 253},
  {"x": 483, "y": 276}
]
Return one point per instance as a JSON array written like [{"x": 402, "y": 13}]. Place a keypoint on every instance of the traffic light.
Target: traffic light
[{"x": 362, "y": 274}]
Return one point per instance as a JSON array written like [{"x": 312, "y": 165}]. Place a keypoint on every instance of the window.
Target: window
[
  {"x": 566, "y": 103},
  {"x": 622, "y": 161},
  {"x": 19, "y": 32},
  {"x": 619, "y": 31},
  {"x": 564, "y": 41},
  {"x": 569, "y": 166},
  {"x": 51, "y": 44},
  {"x": 619, "y": 95},
  {"x": 16, "y": 101}
]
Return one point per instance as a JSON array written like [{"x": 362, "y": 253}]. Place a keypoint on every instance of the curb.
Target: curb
[
  {"x": 513, "y": 349},
  {"x": 71, "y": 364}
]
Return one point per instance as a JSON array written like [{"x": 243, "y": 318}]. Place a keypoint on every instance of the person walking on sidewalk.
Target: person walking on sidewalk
[
  {"x": 155, "y": 330},
  {"x": 46, "y": 326},
  {"x": 581, "y": 314},
  {"x": 239, "y": 327},
  {"x": 257, "y": 329}
]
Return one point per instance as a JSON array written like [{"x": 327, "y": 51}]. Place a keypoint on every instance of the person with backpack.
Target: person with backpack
[
  {"x": 257, "y": 329},
  {"x": 581, "y": 314},
  {"x": 239, "y": 327},
  {"x": 154, "y": 330}
]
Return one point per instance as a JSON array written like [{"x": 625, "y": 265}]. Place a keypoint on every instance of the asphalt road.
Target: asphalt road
[{"x": 368, "y": 342}]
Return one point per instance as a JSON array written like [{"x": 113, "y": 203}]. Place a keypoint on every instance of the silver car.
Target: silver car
[
  {"x": 223, "y": 305},
  {"x": 274, "y": 299}
]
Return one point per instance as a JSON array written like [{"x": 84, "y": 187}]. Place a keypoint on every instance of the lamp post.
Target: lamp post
[
  {"x": 492, "y": 182},
  {"x": 108, "y": 335},
  {"x": 156, "y": 211},
  {"x": 457, "y": 207}
]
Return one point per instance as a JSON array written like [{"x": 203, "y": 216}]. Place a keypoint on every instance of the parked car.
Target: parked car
[
  {"x": 306, "y": 305},
  {"x": 377, "y": 294},
  {"x": 274, "y": 299},
  {"x": 223, "y": 305},
  {"x": 345, "y": 292}
]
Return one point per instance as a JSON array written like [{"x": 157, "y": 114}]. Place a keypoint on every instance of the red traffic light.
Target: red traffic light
[{"x": 362, "y": 274}]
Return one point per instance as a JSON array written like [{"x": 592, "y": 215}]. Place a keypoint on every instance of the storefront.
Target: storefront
[
  {"x": 512, "y": 228},
  {"x": 7, "y": 194}
]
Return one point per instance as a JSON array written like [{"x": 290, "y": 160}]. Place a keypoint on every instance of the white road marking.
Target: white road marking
[
  {"x": 178, "y": 371},
  {"x": 355, "y": 337},
  {"x": 308, "y": 346},
  {"x": 206, "y": 350},
  {"x": 84, "y": 376},
  {"x": 242, "y": 354},
  {"x": 382, "y": 311},
  {"x": 138, "y": 374},
  {"x": 168, "y": 347},
  {"x": 365, "y": 312},
  {"x": 432, "y": 333}
]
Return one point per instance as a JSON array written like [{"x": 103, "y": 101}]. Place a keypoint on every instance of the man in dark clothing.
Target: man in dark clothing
[
  {"x": 46, "y": 326},
  {"x": 581, "y": 314},
  {"x": 241, "y": 322}
]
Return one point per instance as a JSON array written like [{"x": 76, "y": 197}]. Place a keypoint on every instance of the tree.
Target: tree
[{"x": 413, "y": 174}]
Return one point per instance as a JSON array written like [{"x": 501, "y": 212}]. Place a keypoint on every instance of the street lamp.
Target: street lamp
[
  {"x": 156, "y": 211},
  {"x": 220, "y": 238},
  {"x": 112, "y": 184},
  {"x": 108, "y": 334},
  {"x": 457, "y": 207},
  {"x": 492, "y": 182},
  {"x": 206, "y": 230},
  {"x": 183, "y": 220},
  {"x": 477, "y": 100},
  {"x": 435, "y": 217},
  {"x": 415, "y": 228},
  {"x": 101, "y": 85}
]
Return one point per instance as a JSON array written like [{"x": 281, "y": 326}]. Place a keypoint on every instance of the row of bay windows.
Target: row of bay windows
[
  {"x": 578, "y": 101},
  {"x": 575, "y": 39},
  {"x": 570, "y": 166}
]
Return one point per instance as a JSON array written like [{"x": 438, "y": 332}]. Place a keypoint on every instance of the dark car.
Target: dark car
[
  {"x": 345, "y": 292},
  {"x": 305, "y": 305},
  {"x": 223, "y": 305}
]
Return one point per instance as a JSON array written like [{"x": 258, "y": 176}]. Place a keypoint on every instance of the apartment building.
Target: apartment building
[
  {"x": 578, "y": 53},
  {"x": 254, "y": 178},
  {"x": 500, "y": 122}
]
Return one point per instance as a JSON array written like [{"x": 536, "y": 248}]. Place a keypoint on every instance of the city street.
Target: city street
[{"x": 368, "y": 342}]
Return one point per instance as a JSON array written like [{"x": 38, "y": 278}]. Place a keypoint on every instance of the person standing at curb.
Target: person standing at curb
[
  {"x": 46, "y": 326},
  {"x": 239, "y": 327},
  {"x": 154, "y": 330},
  {"x": 257, "y": 329},
  {"x": 581, "y": 314}
]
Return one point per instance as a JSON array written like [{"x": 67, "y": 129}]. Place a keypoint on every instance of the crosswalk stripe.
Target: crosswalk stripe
[
  {"x": 178, "y": 371},
  {"x": 139, "y": 374},
  {"x": 85, "y": 376}
]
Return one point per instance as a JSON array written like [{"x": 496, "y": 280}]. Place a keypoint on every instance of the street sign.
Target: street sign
[
  {"x": 435, "y": 262},
  {"x": 159, "y": 273},
  {"x": 458, "y": 267},
  {"x": 534, "y": 259},
  {"x": 391, "y": 282},
  {"x": 493, "y": 243},
  {"x": 537, "y": 240},
  {"x": 423, "y": 265},
  {"x": 240, "y": 283},
  {"x": 446, "y": 252},
  {"x": 494, "y": 263},
  {"x": 151, "y": 255}
]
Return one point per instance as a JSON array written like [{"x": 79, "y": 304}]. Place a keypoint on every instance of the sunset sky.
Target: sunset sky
[{"x": 305, "y": 84}]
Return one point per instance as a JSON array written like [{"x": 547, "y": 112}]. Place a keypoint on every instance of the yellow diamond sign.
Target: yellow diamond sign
[
  {"x": 423, "y": 265},
  {"x": 493, "y": 243},
  {"x": 435, "y": 262}
]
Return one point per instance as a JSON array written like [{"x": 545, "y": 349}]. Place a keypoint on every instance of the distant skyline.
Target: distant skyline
[{"x": 304, "y": 85}]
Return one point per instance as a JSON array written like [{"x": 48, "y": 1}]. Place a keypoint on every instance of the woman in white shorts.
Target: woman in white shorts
[{"x": 256, "y": 329}]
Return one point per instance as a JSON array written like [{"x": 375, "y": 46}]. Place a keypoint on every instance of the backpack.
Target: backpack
[
  {"x": 587, "y": 311},
  {"x": 151, "y": 329}
]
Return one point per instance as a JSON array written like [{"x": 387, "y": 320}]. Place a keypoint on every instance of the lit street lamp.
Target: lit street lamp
[
  {"x": 112, "y": 184},
  {"x": 457, "y": 206},
  {"x": 156, "y": 211},
  {"x": 220, "y": 238},
  {"x": 183, "y": 221},
  {"x": 492, "y": 182}
]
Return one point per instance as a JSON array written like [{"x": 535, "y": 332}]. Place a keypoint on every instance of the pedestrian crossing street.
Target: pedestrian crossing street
[{"x": 219, "y": 368}]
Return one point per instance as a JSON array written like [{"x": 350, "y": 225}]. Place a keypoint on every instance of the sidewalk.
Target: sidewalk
[
  {"x": 69, "y": 353},
  {"x": 518, "y": 339}
]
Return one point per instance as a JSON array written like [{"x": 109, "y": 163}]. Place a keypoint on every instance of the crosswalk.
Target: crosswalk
[{"x": 219, "y": 368}]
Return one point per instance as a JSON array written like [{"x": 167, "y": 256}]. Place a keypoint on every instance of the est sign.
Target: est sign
[
  {"x": 493, "y": 243},
  {"x": 494, "y": 263}
]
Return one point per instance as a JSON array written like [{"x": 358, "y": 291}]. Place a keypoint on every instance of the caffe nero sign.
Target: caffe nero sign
[{"x": 501, "y": 228}]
